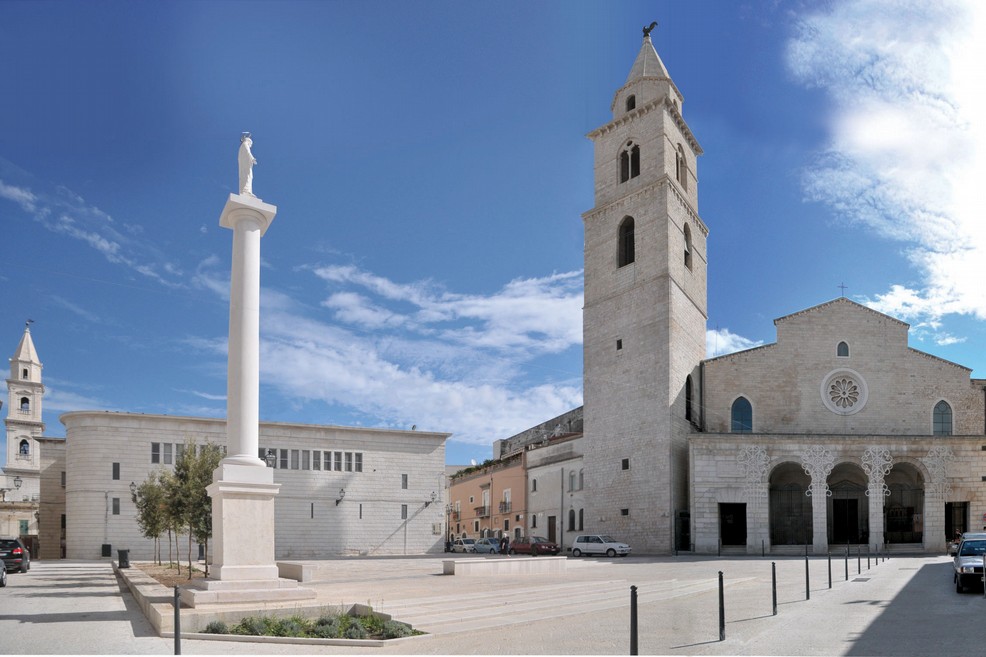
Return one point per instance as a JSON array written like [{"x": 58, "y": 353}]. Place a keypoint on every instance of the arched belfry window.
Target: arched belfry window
[
  {"x": 626, "y": 243},
  {"x": 629, "y": 162},
  {"x": 681, "y": 168},
  {"x": 24, "y": 374},
  {"x": 942, "y": 420},
  {"x": 688, "y": 397},
  {"x": 24, "y": 448},
  {"x": 25, "y": 404},
  {"x": 741, "y": 416},
  {"x": 688, "y": 246},
  {"x": 631, "y": 102},
  {"x": 842, "y": 351}
]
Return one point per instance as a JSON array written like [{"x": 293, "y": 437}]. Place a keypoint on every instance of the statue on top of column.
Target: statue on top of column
[{"x": 246, "y": 162}]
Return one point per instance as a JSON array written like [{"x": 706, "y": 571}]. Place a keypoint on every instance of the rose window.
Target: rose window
[{"x": 843, "y": 392}]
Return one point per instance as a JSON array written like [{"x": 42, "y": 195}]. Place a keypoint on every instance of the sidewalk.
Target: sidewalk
[{"x": 906, "y": 606}]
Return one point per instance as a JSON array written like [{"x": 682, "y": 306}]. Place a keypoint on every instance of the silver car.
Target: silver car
[
  {"x": 968, "y": 563},
  {"x": 464, "y": 545},
  {"x": 488, "y": 545},
  {"x": 599, "y": 544}
]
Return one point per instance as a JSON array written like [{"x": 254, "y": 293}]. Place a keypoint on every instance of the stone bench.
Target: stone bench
[{"x": 504, "y": 566}]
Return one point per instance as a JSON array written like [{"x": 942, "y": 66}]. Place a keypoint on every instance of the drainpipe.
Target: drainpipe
[{"x": 561, "y": 514}]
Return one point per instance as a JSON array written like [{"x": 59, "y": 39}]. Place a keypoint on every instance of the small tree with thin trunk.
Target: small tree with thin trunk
[{"x": 151, "y": 511}]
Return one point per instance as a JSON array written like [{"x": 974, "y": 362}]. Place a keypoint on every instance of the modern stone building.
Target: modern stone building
[{"x": 344, "y": 490}]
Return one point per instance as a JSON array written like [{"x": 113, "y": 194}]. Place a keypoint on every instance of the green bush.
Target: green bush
[
  {"x": 355, "y": 630},
  {"x": 216, "y": 627},
  {"x": 251, "y": 626},
  {"x": 395, "y": 629}
]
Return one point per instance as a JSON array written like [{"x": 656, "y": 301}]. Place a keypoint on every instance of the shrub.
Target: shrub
[
  {"x": 355, "y": 630},
  {"x": 395, "y": 629},
  {"x": 292, "y": 627},
  {"x": 216, "y": 627},
  {"x": 251, "y": 625}
]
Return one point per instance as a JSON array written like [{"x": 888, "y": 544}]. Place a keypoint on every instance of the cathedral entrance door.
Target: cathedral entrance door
[
  {"x": 845, "y": 521},
  {"x": 732, "y": 524}
]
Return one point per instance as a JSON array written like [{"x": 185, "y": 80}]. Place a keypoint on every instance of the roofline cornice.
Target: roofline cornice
[
  {"x": 644, "y": 109},
  {"x": 662, "y": 179}
]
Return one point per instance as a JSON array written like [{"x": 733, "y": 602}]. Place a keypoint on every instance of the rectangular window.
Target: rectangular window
[
  {"x": 475, "y": 525},
  {"x": 116, "y": 472},
  {"x": 358, "y": 462},
  {"x": 24, "y": 527},
  {"x": 403, "y": 512},
  {"x": 619, "y": 345},
  {"x": 167, "y": 453},
  {"x": 155, "y": 452},
  {"x": 63, "y": 479},
  {"x": 295, "y": 459},
  {"x": 625, "y": 464},
  {"x": 317, "y": 459},
  {"x": 624, "y": 512},
  {"x": 534, "y": 521},
  {"x": 116, "y": 506},
  {"x": 284, "y": 459},
  {"x": 349, "y": 461},
  {"x": 360, "y": 511},
  {"x": 338, "y": 462},
  {"x": 404, "y": 481},
  {"x": 179, "y": 450},
  {"x": 506, "y": 524},
  {"x": 534, "y": 485},
  {"x": 306, "y": 463}
]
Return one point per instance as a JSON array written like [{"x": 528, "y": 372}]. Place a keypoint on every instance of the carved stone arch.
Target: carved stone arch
[{"x": 790, "y": 506}]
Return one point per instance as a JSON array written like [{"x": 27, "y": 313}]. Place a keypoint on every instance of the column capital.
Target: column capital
[{"x": 243, "y": 206}]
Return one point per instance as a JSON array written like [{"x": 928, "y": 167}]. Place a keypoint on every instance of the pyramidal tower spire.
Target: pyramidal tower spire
[{"x": 23, "y": 422}]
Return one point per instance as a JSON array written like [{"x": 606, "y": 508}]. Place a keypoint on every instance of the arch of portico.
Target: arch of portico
[{"x": 790, "y": 505}]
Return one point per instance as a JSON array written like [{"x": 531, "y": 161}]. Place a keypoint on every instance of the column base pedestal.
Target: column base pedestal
[{"x": 215, "y": 592}]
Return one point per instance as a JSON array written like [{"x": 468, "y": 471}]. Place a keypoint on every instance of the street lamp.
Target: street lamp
[
  {"x": 17, "y": 482},
  {"x": 270, "y": 457},
  {"x": 342, "y": 494},
  {"x": 133, "y": 492}
]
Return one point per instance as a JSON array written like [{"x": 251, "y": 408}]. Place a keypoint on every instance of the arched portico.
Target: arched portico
[
  {"x": 848, "y": 508},
  {"x": 904, "y": 508},
  {"x": 790, "y": 505}
]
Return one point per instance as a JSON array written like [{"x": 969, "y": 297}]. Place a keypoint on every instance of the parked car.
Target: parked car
[
  {"x": 15, "y": 555},
  {"x": 967, "y": 565},
  {"x": 488, "y": 546},
  {"x": 953, "y": 546},
  {"x": 534, "y": 545},
  {"x": 599, "y": 544},
  {"x": 464, "y": 545},
  {"x": 3, "y": 577}
]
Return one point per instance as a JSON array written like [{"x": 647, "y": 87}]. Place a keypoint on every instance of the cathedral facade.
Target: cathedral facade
[{"x": 839, "y": 433}]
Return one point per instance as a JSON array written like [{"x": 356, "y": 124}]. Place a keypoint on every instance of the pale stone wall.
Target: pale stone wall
[
  {"x": 309, "y": 524},
  {"x": 474, "y": 519},
  {"x": 557, "y": 492},
  {"x": 950, "y": 469},
  {"x": 783, "y": 381},
  {"x": 52, "y": 504}
]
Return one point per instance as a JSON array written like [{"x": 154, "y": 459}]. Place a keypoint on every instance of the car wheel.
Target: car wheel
[
  {"x": 25, "y": 567},
  {"x": 576, "y": 552},
  {"x": 958, "y": 586},
  {"x": 611, "y": 553},
  {"x": 3, "y": 577}
]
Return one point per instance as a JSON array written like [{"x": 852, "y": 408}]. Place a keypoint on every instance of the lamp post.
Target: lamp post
[
  {"x": 342, "y": 496},
  {"x": 133, "y": 492},
  {"x": 271, "y": 458}
]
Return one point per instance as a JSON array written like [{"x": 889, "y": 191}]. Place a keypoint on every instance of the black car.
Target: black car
[{"x": 15, "y": 555}]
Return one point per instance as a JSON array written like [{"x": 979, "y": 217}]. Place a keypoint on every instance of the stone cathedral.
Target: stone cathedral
[{"x": 838, "y": 433}]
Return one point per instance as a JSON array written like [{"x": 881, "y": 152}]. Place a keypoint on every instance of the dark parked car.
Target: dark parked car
[
  {"x": 534, "y": 546},
  {"x": 15, "y": 555}
]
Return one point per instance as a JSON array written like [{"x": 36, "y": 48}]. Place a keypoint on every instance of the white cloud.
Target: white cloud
[
  {"x": 720, "y": 342},
  {"x": 907, "y": 139},
  {"x": 23, "y": 197}
]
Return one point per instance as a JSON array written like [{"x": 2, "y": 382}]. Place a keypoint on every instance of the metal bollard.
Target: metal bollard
[
  {"x": 859, "y": 562},
  {"x": 722, "y": 610},
  {"x": 773, "y": 584},
  {"x": 847, "y": 563},
  {"x": 633, "y": 620},
  {"x": 807, "y": 580},
  {"x": 867, "y": 557},
  {"x": 177, "y": 622},
  {"x": 830, "y": 568},
  {"x": 763, "y": 548}
]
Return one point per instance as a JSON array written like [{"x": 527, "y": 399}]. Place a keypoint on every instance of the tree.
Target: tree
[
  {"x": 151, "y": 511},
  {"x": 190, "y": 504}
]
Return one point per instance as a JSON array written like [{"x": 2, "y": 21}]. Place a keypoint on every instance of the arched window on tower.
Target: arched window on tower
[
  {"x": 581, "y": 518},
  {"x": 629, "y": 162},
  {"x": 631, "y": 102},
  {"x": 625, "y": 248},
  {"x": 24, "y": 449},
  {"x": 688, "y": 247},
  {"x": 842, "y": 351},
  {"x": 681, "y": 168},
  {"x": 571, "y": 520},
  {"x": 741, "y": 416},
  {"x": 25, "y": 404},
  {"x": 24, "y": 374},
  {"x": 688, "y": 397},
  {"x": 942, "y": 419}
]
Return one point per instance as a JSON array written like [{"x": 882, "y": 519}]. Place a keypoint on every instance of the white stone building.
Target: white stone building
[
  {"x": 838, "y": 433},
  {"x": 344, "y": 490}
]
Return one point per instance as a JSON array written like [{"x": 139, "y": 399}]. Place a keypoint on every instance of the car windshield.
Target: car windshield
[
  {"x": 468, "y": 541},
  {"x": 972, "y": 548},
  {"x": 609, "y": 539},
  {"x": 539, "y": 539}
]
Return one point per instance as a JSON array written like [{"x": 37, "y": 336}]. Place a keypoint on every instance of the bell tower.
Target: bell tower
[
  {"x": 24, "y": 425},
  {"x": 645, "y": 313}
]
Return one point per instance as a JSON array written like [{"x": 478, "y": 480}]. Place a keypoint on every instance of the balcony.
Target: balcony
[
  {"x": 505, "y": 507},
  {"x": 482, "y": 511}
]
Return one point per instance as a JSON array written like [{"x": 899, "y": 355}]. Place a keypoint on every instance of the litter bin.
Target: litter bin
[{"x": 124, "y": 558}]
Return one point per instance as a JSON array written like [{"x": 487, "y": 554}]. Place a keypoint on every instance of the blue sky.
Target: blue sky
[{"x": 430, "y": 169}]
